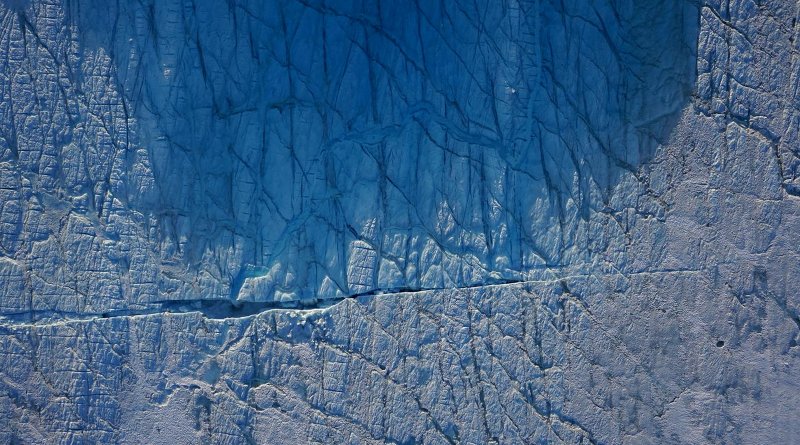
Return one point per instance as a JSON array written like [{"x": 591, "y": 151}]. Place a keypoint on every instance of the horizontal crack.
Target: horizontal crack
[
  {"x": 221, "y": 309},
  {"x": 217, "y": 309}
]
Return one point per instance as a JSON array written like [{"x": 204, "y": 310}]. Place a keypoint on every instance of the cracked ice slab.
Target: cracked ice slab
[
  {"x": 189, "y": 169},
  {"x": 512, "y": 363}
]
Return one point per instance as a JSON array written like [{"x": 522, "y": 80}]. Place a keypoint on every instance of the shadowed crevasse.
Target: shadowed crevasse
[{"x": 304, "y": 150}]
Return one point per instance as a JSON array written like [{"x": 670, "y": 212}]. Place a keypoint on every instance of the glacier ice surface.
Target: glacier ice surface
[{"x": 509, "y": 221}]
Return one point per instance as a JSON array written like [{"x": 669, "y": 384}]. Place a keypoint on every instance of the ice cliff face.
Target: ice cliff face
[
  {"x": 292, "y": 151},
  {"x": 576, "y": 221}
]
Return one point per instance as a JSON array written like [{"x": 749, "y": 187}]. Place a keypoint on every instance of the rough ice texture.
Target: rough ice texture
[{"x": 590, "y": 207}]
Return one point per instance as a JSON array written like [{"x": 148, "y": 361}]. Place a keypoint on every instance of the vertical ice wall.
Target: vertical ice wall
[{"x": 309, "y": 150}]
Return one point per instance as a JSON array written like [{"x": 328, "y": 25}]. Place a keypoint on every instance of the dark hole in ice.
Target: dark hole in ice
[{"x": 720, "y": 343}]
